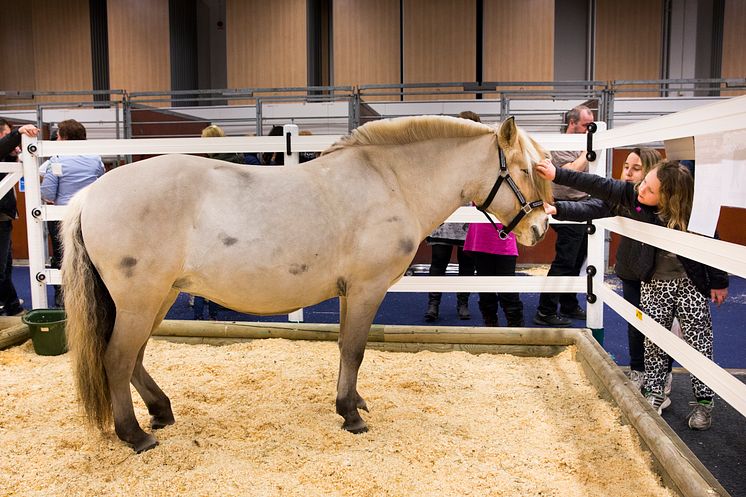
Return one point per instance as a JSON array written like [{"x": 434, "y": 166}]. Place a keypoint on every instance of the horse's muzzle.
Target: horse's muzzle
[{"x": 538, "y": 230}]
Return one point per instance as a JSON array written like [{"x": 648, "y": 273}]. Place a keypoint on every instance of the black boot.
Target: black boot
[
  {"x": 462, "y": 307},
  {"x": 514, "y": 317},
  {"x": 433, "y": 304},
  {"x": 515, "y": 322},
  {"x": 490, "y": 320}
]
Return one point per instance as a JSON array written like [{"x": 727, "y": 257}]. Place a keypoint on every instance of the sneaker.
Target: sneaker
[
  {"x": 659, "y": 402},
  {"x": 668, "y": 385},
  {"x": 701, "y": 416},
  {"x": 551, "y": 320},
  {"x": 577, "y": 313},
  {"x": 637, "y": 378}
]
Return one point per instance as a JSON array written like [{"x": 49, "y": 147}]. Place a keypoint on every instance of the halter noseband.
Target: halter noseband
[{"x": 526, "y": 207}]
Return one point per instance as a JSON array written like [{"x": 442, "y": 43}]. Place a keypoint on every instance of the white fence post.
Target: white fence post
[
  {"x": 290, "y": 132},
  {"x": 597, "y": 254},
  {"x": 34, "y": 222}
]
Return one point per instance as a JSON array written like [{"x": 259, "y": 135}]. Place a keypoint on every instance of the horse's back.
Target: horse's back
[{"x": 267, "y": 234}]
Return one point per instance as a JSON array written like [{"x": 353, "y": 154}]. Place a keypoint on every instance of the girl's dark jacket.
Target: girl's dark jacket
[{"x": 635, "y": 259}]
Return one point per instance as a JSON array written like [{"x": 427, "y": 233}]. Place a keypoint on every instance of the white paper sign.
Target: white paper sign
[{"x": 720, "y": 178}]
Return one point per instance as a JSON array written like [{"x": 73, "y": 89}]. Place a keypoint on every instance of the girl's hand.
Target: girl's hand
[
  {"x": 550, "y": 209},
  {"x": 718, "y": 295},
  {"x": 546, "y": 170}
]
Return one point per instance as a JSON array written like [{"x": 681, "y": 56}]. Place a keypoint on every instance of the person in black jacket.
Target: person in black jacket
[
  {"x": 9, "y": 140},
  {"x": 672, "y": 285},
  {"x": 637, "y": 165}
]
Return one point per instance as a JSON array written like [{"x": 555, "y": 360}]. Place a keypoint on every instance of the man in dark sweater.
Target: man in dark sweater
[
  {"x": 571, "y": 247},
  {"x": 9, "y": 140}
]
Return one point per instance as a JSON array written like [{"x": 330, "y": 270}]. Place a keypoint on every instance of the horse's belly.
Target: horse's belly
[{"x": 263, "y": 295}]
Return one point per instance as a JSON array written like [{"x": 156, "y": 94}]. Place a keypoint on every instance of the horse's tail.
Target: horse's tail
[{"x": 90, "y": 317}]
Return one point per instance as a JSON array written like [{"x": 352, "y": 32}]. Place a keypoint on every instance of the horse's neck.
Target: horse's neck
[{"x": 444, "y": 177}]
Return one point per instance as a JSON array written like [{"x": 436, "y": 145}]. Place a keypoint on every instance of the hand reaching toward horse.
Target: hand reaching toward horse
[
  {"x": 29, "y": 129},
  {"x": 546, "y": 170},
  {"x": 550, "y": 209}
]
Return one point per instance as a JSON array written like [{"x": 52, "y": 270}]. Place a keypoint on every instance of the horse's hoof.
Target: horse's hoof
[
  {"x": 355, "y": 428},
  {"x": 158, "y": 422},
  {"x": 149, "y": 442}
]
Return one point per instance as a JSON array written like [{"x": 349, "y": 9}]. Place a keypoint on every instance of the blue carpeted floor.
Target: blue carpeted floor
[{"x": 408, "y": 308}]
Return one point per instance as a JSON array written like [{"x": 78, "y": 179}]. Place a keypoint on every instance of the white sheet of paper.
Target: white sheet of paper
[{"x": 720, "y": 178}]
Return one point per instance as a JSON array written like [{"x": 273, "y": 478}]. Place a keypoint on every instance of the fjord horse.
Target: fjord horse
[{"x": 265, "y": 240}]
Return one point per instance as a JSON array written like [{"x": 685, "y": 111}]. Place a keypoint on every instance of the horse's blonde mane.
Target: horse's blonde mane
[
  {"x": 404, "y": 130},
  {"x": 401, "y": 131}
]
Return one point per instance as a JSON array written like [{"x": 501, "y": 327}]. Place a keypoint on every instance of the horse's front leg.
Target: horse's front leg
[
  {"x": 130, "y": 333},
  {"x": 356, "y": 315}
]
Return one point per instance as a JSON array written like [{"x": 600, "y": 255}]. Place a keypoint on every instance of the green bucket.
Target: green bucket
[{"x": 47, "y": 327}]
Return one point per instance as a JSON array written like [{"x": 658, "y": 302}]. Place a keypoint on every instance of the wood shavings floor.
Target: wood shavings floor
[{"x": 257, "y": 419}]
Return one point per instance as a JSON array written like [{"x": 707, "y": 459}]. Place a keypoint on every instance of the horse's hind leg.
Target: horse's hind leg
[
  {"x": 357, "y": 312},
  {"x": 131, "y": 332},
  {"x": 159, "y": 405}
]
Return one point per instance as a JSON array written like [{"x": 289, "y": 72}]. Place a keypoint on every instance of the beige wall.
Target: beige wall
[
  {"x": 266, "y": 42},
  {"x": 628, "y": 40},
  {"x": 734, "y": 53},
  {"x": 518, "y": 40},
  {"x": 366, "y": 42},
  {"x": 439, "y": 41},
  {"x": 267, "y": 47},
  {"x": 17, "y": 71},
  {"x": 139, "y": 53},
  {"x": 54, "y": 55}
]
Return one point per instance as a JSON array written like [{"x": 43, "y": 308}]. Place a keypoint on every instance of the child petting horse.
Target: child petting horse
[{"x": 672, "y": 285}]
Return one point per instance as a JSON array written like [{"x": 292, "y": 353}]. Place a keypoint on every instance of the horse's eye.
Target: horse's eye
[{"x": 525, "y": 171}]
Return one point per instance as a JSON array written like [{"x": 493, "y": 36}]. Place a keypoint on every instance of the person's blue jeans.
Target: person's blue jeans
[{"x": 636, "y": 340}]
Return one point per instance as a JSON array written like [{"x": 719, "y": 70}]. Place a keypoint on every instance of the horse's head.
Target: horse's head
[{"x": 517, "y": 200}]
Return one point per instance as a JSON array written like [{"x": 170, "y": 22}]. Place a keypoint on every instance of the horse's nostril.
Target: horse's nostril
[
  {"x": 537, "y": 232},
  {"x": 546, "y": 224}
]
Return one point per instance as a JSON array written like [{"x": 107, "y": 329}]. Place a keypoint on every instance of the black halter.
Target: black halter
[{"x": 526, "y": 207}]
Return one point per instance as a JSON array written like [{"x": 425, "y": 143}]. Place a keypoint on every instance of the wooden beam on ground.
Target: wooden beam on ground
[{"x": 12, "y": 333}]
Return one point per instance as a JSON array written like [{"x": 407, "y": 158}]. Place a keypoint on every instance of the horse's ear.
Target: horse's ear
[{"x": 508, "y": 131}]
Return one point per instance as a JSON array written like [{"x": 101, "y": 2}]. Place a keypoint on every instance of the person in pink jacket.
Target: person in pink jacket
[{"x": 495, "y": 257}]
